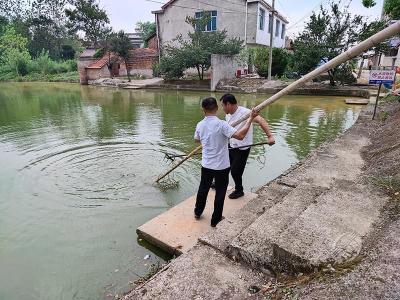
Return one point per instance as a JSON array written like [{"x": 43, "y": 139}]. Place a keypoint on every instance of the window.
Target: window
[
  {"x": 277, "y": 27},
  {"x": 270, "y": 24},
  {"x": 261, "y": 19},
  {"x": 283, "y": 31},
  {"x": 212, "y": 24}
]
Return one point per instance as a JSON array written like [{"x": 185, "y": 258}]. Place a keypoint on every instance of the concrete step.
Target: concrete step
[
  {"x": 330, "y": 230},
  {"x": 253, "y": 245},
  {"x": 340, "y": 159},
  {"x": 232, "y": 226},
  {"x": 176, "y": 230},
  {"x": 201, "y": 273}
]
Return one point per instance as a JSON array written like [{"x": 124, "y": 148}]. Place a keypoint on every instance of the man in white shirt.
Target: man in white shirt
[
  {"x": 214, "y": 135},
  {"x": 238, "y": 157}
]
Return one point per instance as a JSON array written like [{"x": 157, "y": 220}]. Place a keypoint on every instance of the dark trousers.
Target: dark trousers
[
  {"x": 238, "y": 160},
  {"x": 221, "y": 185}
]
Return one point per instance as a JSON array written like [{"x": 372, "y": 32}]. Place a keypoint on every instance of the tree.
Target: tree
[
  {"x": 196, "y": 51},
  {"x": 87, "y": 16},
  {"x": 147, "y": 30},
  {"x": 279, "y": 64},
  {"x": 121, "y": 45},
  {"x": 368, "y": 3},
  {"x": 13, "y": 51},
  {"x": 327, "y": 34},
  {"x": 390, "y": 7}
]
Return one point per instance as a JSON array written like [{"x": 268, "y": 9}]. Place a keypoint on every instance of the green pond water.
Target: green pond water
[{"x": 77, "y": 166}]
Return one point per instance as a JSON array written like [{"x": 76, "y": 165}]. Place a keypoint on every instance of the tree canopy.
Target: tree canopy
[
  {"x": 328, "y": 33},
  {"x": 390, "y": 7},
  {"x": 121, "y": 45},
  {"x": 88, "y": 17},
  {"x": 147, "y": 30}
]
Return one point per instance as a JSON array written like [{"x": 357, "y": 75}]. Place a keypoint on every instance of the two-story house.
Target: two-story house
[{"x": 249, "y": 20}]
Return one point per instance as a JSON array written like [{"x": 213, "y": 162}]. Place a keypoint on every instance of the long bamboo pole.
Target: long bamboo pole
[{"x": 349, "y": 54}]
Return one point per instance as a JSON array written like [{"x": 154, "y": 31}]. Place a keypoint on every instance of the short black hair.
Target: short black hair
[
  {"x": 228, "y": 98},
  {"x": 209, "y": 104}
]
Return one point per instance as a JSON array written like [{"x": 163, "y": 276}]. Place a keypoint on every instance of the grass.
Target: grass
[
  {"x": 389, "y": 184},
  {"x": 391, "y": 99},
  {"x": 286, "y": 286},
  {"x": 61, "y": 77}
]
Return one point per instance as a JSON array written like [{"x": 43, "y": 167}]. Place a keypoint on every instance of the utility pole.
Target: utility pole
[{"x": 271, "y": 40}]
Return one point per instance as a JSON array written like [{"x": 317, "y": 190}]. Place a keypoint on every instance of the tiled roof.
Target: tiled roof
[
  {"x": 98, "y": 64},
  {"x": 88, "y": 53}
]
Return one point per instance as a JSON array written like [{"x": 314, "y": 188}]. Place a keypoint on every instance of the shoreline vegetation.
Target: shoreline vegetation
[{"x": 70, "y": 77}]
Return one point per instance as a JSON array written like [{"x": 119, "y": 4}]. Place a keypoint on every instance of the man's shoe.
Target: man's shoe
[
  {"x": 215, "y": 224},
  {"x": 236, "y": 194},
  {"x": 196, "y": 217},
  {"x": 213, "y": 185}
]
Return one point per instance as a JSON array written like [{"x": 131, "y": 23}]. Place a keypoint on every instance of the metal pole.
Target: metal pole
[
  {"x": 172, "y": 156},
  {"x": 376, "y": 102},
  {"x": 271, "y": 41}
]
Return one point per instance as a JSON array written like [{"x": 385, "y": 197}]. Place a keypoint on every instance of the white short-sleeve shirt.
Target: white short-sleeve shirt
[
  {"x": 214, "y": 135},
  {"x": 248, "y": 139}
]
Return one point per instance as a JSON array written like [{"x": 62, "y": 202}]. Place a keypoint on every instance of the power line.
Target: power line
[{"x": 306, "y": 16}]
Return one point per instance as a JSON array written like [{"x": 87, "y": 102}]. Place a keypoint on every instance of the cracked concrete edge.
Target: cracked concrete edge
[{"x": 201, "y": 273}]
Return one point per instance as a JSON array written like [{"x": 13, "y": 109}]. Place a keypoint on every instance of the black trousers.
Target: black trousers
[
  {"x": 221, "y": 185},
  {"x": 238, "y": 160}
]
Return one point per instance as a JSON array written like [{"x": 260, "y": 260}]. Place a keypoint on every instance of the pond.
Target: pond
[{"x": 77, "y": 174}]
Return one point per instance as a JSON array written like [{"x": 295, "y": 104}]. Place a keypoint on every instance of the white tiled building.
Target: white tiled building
[{"x": 249, "y": 20}]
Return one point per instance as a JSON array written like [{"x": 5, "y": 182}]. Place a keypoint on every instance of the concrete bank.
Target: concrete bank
[
  {"x": 317, "y": 216},
  {"x": 314, "y": 90},
  {"x": 311, "y": 89}
]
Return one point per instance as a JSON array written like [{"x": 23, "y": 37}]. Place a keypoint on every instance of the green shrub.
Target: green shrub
[
  {"x": 67, "y": 52},
  {"x": 99, "y": 53},
  {"x": 45, "y": 64},
  {"x": 156, "y": 70},
  {"x": 72, "y": 65},
  {"x": 280, "y": 61},
  {"x": 22, "y": 66},
  {"x": 172, "y": 67}
]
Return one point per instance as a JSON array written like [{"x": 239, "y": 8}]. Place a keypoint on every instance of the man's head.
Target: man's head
[
  {"x": 209, "y": 105},
  {"x": 229, "y": 103}
]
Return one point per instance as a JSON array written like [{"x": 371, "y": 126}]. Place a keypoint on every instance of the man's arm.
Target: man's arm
[
  {"x": 265, "y": 127},
  {"x": 241, "y": 133}
]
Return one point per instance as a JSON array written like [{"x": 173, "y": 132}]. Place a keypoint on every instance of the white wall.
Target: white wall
[
  {"x": 387, "y": 61},
  {"x": 172, "y": 20},
  {"x": 263, "y": 37},
  {"x": 222, "y": 67}
]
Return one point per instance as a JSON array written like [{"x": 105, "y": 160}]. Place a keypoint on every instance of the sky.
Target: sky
[{"x": 124, "y": 14}]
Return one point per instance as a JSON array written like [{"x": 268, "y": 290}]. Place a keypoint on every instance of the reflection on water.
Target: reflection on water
[{"x": 77, "y": 171}]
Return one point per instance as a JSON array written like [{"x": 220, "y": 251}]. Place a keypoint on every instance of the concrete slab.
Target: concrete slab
[
  {"x": 232, "y": 226},
  {"x": 357, "y": 101},
  {"x": 201, "y": 273},
  {"x": 176, "y": 230},
  {"x": 344, "y": 214},
  {"x": 340, "y": 160},
  {"x": 254, "y": 245}
]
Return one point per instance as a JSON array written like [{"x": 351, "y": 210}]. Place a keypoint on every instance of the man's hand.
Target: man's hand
[
  {"x": 271, "y": 140},
  {"x": 254, "y": 114}
]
